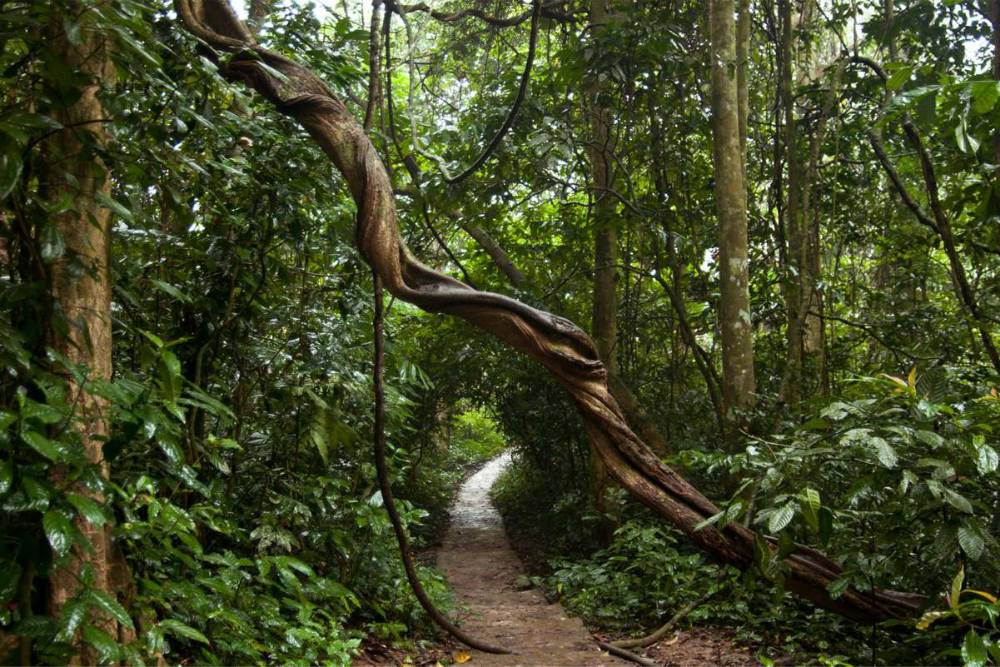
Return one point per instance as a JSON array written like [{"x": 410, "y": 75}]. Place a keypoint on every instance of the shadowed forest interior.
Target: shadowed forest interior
[{"x": 702, "y": 296}]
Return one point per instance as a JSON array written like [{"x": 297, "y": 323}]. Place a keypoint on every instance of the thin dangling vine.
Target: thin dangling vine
[{"x": 385, "y": 484}]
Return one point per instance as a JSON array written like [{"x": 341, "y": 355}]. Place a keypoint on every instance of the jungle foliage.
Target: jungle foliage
[{"x": 236, "y": 487}]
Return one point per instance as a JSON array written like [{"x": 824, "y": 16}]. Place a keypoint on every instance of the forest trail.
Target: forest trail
[{"x": 483, "y": 568}]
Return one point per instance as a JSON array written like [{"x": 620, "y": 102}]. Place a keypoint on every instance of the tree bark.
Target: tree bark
[
  {"x": 554, "y": 342},
  {"x": 791, "y": 384},
  {"x": 738, "y": 381},
  {"x": 604, "y": 323},
  {"x": 80, "y": 284},
  {"x": 742, "y": 74}
]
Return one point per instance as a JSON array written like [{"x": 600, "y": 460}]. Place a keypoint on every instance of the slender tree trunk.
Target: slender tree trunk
[
  {"x": 738, "y": 382},
  {"x": 604, "y": 324},
  {"x": 742, "y": 66},
  {"x": 605, "y": 303},
  {"x": 80, "y": 284},
  {"x": 794, "y": 268}
]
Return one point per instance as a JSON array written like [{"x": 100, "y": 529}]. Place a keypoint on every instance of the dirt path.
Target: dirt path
[{"x": 483, "y": 569}]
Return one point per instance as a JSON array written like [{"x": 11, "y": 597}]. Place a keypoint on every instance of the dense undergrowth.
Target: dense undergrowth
[
  {"x": 894, "y": 481},
  {"x": 237, "y": 487}
]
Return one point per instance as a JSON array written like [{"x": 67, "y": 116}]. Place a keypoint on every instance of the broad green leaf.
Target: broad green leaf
[
  {"x": 973, "y": 650},
  {"x": 836, "y": 588},
  {"x": 929, "y": 438},
  {"x": 181, "y": 630},
  {"x": 169, "y": 289},
  {"x": 971, "y": 542},
  {"x": 899, "y": 78},
  {"x": 110, "y": 606},
  {"x": 780, "y": 518},
  {"x": 72, "y": 617},
  {"x": 956, "y": 588},
  {"x": 987, "y": 459},
  {"x": 966, "y": 142},
  {"x": 984, "y": 95},
  {"x": 88, "y": 508},
  {"x": 43, "y": 445},
  {"x": 116, "y": 207},
  {"x": 884, "y": 452},
  {"x": 58, "y": 530},
  {"x": 958, "y": 501},
  {"x": 811, "y": 498},
  {"x": 107, "y": 648}
]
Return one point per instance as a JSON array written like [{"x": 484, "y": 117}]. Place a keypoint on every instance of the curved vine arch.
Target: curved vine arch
[{"x": 557, "y": 344}]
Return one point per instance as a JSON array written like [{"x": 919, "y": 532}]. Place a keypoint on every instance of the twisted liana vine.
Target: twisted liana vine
[{"x": 561, "y": 347}]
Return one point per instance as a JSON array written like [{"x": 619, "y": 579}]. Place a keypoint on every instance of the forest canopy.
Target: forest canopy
[{"x": 732, "y": 271}]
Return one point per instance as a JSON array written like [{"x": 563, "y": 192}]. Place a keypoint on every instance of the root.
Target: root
[{"x": 663, "y": 630}]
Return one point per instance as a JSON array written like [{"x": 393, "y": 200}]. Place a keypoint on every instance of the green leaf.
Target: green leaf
[
  {"x": 986, "y": 459},
  {"x": 58, "y": 530},
  {"x": 929, "y": 438},
  {"x": 43, "y": 445},
  {"x": 884, "y": 452},
  {"x": 899, "y": 78},
  {"x": 958, "y": 501},
  {"x": 88, "y": 508},
  {"x": 6, "y": 476},
  {"x": 984, "y": 95},
  {"x": 172, "y": 291},
  {"x": 836, "y": 588},
  {"x": 966, "y": 142},
  {"x": 107, "y": 648},
  {"x": 181, "y": 630},
  {"x": 971, "y": 541},
  {"x": 811, "y": 498},
  {"x": 115, "y": 206},
  {"x": 52, "y": 244},
  {"x": 956, "y": 588},
  {"x": 110, "y": 606},
  {"x": 10, "y": 172},
  {"x": 72, "y": 617},
  {"x": 973, "y": 650},
  {"x": 780, "y": 518}
]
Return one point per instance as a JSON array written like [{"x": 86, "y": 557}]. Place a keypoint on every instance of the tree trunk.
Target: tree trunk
[
  {"x": 742, "y": 73},
  {"x": 554, "y": 342},
  {"x": 791, "y": 384},
  {"x": 80, "y": 283},
  {"x": 738, "y": 382},
  {"x": 604, "y": 325}
]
